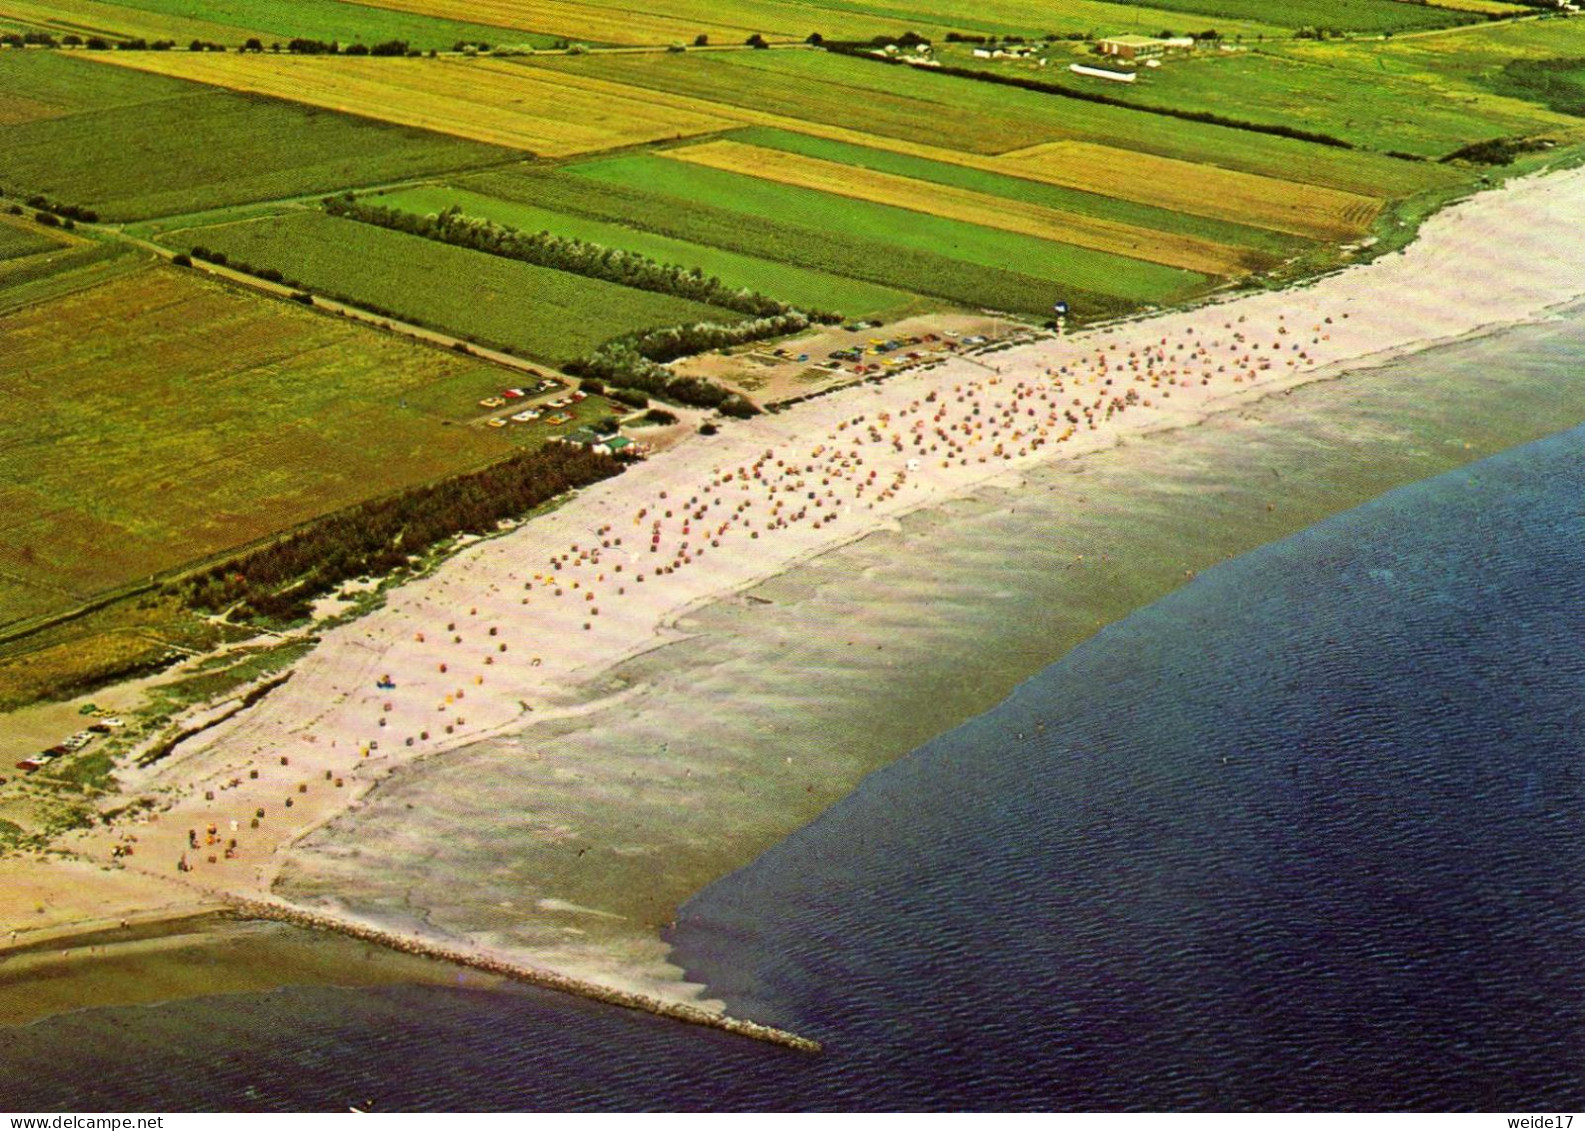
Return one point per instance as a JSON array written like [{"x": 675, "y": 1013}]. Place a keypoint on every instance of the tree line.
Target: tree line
[
  {"x": 278, "y": 581},
  {"x": 635, "y": 360},
  {"x": 565, "y": 253}
]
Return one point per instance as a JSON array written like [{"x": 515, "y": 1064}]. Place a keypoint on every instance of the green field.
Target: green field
[
  {"x": 915, "y": 106},
  {"x": 795, "y": 285},
  {"x": 543, "y": 314},
  {"x": 793, "y": 239},
  {"x": 1060, "y": 264},
  {"x": 18, "y": 240},
  {"x": 161, "y": 417},
  {"x": 1468, "y": 65},
  {"x": 1336, "y": 15},
  {"x": 162, "y": 146},
  {"x": 1557, "y": 83},
  {"x": 52, "y": 273},
  {"x": 1032, "y": 192},
  {"x": 1274, "y": 89}
]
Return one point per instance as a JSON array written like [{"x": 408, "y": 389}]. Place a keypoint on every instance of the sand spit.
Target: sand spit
[
  {"x": 508, "y": 630},
  {"x": 517, "y": 972}
]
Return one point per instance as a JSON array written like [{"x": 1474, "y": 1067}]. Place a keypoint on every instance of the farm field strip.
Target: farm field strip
[
  {"x": 1283, "y": 206},
  {"x": 734, "y": 20},
  {"x": 800, "y": 286},
  {"x": 50, "y": 275},
  {"x": 1257, "y": 200},
  {"x": 907, "y": 107},
  {"x": 805, "y": 239},
  {"x": 17, "y": 240},
  {"x": 122, "y": 21},
  {"x": 1285, "y": 90},
  {"x": 138, "y": 144},
  {"x": 950, "y": 244},
  {"x": 1344, "y": 15},
  {"x": 580, "y": 22},
  {"x": 236, "y": 20},
  {"x": 1484, "y": 7},
  {"x": 1058, "y": 197},
  {"x": 1201, "y": 256},
  {"x": 479, "y": 100},
  {"x": 537, "y": 312},
  {"x": 250, "y": 414}
]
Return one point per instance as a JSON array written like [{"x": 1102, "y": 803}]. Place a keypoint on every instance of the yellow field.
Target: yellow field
[
  {"x": 86, "y": 17},
  {"x": 1484, "y": 7},
  {"x": 622, "y": 22},
  {"x": 589, "y": 23},
  {"x": 1198, "y": 190},
  {"x": 948, "y": 202},
  {"x": 481, "y": 99}
]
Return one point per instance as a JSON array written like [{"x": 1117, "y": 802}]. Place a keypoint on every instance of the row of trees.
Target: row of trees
[
  {"x": 64, "y": 211},
  {"x": 278, "y": 581},
  {"x": 564, "y": 253},
  {"x": 221, "y": 259},
  {"x": 99, "y": 42},
  {"x": 391, "y": 48}
]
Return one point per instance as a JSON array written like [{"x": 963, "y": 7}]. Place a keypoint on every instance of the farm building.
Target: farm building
[{"x": 1141, "y": 46}]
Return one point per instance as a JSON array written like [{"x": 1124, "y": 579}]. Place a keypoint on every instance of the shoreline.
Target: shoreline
[{"x": 240, "y": 744}]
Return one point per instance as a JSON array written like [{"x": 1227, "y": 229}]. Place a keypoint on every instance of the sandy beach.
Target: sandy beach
[{"x": 510, "y": 631}]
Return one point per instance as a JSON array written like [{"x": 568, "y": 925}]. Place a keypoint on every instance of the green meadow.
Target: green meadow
[
  {"x": 140, "y": 145},
  {"x": 1093, "y": 271},
  {"x": 547, "y": 315},
  {"x": 796, "y": 285}
]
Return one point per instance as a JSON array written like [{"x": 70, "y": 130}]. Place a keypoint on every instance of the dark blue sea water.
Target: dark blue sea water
[{"x": 1307, "y": 834}]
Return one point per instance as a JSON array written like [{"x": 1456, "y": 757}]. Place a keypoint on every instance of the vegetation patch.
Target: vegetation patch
[
  {"x": 791, "y": 237},
  {"x": 236, "y": 21},
  {"x": 482, "y": 100},
  {"x": 1332, "y": 15},
  {"x": 276, "y": 582},
  {"x": 1284, "y": 206},
  {"x": 935, "y": 199},
  {"x": 801, "y": 287},
  {"x": 534, "y": 311},
  {"x": 17, "y": 240},
  {"x": 180, "y": 418},
  {"x": 206, "y": 148},
  {"x": 1558, "y": 84},
  {"x": 898, "y": 229},
  {"x": 562, "y": 253}
]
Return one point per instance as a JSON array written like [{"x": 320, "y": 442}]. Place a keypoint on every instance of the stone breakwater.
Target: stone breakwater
[{"x": 546, "y": 979}]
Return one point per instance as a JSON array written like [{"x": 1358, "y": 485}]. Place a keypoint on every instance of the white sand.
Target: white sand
[{"x": 509, "y": 625}]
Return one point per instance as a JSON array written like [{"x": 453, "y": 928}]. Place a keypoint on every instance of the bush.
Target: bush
[
  {"x": 660, "y": 416},
  {"x": 181, "y": 259},
  {"x": 737, "y": 407},
  {"x": 633, "y": 398},
  {"x": 708, "y": 428},
  {"x": 592, "y": 386}
]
